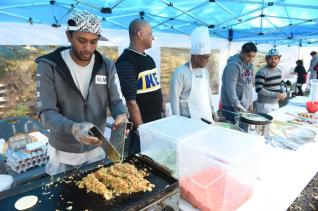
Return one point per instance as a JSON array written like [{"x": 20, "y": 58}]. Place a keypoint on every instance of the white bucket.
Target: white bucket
[{"x": 314, "y": 89}]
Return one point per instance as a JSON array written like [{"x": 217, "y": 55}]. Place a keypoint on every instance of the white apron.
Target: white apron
[
  {"x": 199, "y": 102},
  {"x": 266, "y": 107}
]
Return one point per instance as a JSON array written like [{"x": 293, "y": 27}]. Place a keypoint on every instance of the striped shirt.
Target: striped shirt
[
  {"x": 140, "y": 81},
  {"x": 267, "y": 84}
]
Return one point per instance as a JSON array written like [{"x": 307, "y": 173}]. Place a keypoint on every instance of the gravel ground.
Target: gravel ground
[{"x": 308, "y": 199}]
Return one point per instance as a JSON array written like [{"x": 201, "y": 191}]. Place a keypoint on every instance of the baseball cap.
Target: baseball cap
[
  {"x": 273, "y": 52},
  {"x": 85, "y": 22}
]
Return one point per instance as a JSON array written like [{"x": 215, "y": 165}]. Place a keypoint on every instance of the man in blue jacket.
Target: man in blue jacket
[{"x": 75, "y": 85}]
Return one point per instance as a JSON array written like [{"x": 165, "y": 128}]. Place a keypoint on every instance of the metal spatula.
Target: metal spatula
[
  {"x": 117, "y": 137},
  {"x": 108, "y": 148}
]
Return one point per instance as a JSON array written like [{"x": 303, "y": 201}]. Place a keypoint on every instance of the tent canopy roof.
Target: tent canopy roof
[{"x": 278, "y": 22}]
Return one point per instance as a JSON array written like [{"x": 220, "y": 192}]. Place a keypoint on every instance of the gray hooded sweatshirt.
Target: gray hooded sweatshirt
[
  {"x": 61, "y": 104},
  {"x": 237, "y": 83}
]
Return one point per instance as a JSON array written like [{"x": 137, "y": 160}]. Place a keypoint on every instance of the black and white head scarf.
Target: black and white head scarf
[{"x": 85, "y": 22}]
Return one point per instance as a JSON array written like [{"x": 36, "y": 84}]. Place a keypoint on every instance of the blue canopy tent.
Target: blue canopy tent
[{"x": 277, "y": 22}]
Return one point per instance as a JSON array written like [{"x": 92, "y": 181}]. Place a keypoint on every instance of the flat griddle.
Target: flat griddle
[{"x": 60, "y": 196}]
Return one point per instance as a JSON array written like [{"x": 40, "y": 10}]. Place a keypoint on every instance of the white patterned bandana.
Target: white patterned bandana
[{"x": 85, "y": 22}]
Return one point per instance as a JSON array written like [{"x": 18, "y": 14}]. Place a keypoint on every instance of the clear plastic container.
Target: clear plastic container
[
  {"x": 313, "y": 90},
  {"x": 159, "y": 139},
  {"x": 218, "y": 168}
]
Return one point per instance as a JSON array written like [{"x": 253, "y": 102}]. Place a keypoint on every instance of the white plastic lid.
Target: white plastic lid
[
  {"x": 226, "y": 145},
  {"x": 174, "y": 127}
]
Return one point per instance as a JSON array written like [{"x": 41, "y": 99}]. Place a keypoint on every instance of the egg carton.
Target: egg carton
[{"x": 22, "y": 159}]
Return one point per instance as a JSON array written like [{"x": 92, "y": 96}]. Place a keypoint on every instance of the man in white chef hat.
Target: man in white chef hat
[{"x": 190, "y": 92}]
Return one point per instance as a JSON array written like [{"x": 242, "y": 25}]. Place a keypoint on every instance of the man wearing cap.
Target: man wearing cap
[
  {"x": 190, "y": 92},
  {"x": 140, "y": 80},
  {"x": 267, "y": 84},
  {"x": 236, "y": 90},
  {"x": 75, "y": 85},
  {"x": 313, "y": 63}
]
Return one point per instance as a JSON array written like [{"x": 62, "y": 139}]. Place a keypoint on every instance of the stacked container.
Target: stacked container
[
  {"x": 159, "y": 139},
  {"x": 20, "y": 160},
  {"x": 218, "y": 168},
  {"x": 26, "y": 151}
]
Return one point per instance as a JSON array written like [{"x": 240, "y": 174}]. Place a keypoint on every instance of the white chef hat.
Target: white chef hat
[{"x": 200, "y": 41}]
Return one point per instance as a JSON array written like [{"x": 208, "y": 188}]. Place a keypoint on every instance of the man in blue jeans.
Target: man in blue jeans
[{"x": 236, "y": 91}]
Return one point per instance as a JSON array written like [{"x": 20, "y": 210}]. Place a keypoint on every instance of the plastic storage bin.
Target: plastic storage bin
[
  {"x": 218, "y": 167},
  {"x": 313, "y": 90},
  {"x": 159, "y": 139}
]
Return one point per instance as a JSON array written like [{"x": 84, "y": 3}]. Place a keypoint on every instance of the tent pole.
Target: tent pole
[
  {"x": 247, "y": 13},
  {"x": 289, "y": 18},
  {"x": 117, "y": 3},
  {"x": 186, "y": 13},
  {"x": 229, "y": 12},
  {"x": 168, "y": 26},
  {"x": 288, "y": 26},
  {"x": 275, "y": 26},
  {"x": 22, "y": 17},
  {"x": 175, "y": 17},
  {"x": 262, "y": 15},
  {"x": 24, "y": 5}
]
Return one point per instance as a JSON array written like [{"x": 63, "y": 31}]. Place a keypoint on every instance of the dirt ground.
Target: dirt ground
[{"x": 308, "y": 199}]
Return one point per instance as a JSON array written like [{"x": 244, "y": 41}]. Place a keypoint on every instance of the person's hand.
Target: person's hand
[
  {"x": 215, "y": 117},
  {"x": 280, "y": 96},
  {"x": 81, "y": 133},
  {"x": 240, "y": 108},
  {"x": 165, "y": 113},
  {"x": 122, "y": 118},
  {"x": 251, "y": 108}
]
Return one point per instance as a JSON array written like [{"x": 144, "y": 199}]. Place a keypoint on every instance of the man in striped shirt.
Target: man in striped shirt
[
  {"x": 140, "y": 81},
  {"x": 267, "y": 84}
]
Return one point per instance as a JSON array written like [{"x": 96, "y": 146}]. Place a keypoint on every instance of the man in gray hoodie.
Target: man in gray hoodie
[
  {"x": 236, "y": 90},
  {"x": 74, "y": 88}
]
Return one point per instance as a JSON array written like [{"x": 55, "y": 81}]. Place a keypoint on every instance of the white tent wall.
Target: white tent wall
[{"x": 37, "y": 34}]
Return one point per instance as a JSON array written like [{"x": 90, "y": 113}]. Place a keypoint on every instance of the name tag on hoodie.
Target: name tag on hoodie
[{"x": 101, "y": 79}]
